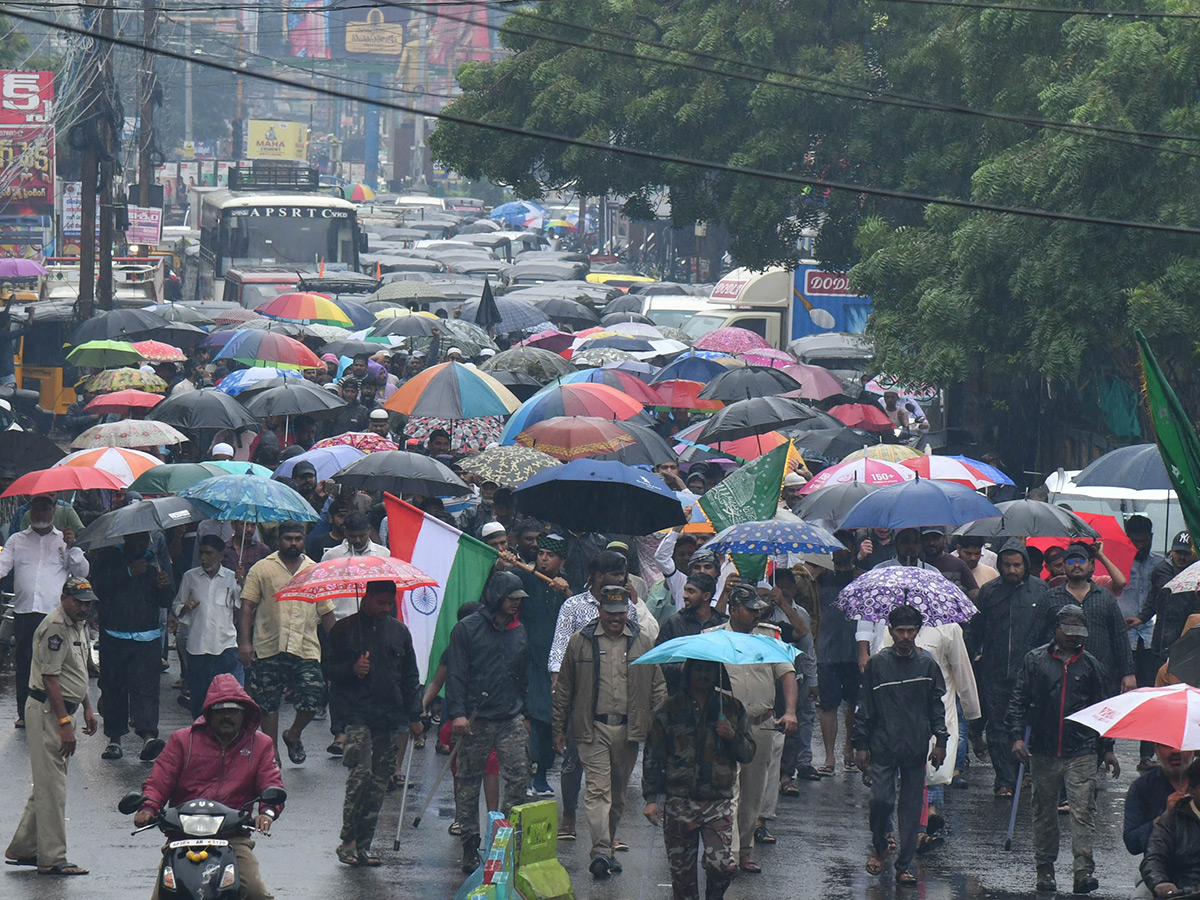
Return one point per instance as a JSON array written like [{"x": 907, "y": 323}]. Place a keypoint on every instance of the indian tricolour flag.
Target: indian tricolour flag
[{"x": 458, "y": 562}]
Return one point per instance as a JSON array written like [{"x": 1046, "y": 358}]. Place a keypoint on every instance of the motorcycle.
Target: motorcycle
[{"x": 199, "y": 862}]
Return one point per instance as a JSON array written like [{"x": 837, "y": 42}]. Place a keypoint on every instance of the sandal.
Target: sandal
[
  {"x": 20, "y": 723},
  {"x": 347, "y": 855},
  {"x": 787, "y": 788},
  {"x": 874, "y": 865},
  {"x": 368, "y": 859},
  {"x": 1004, "y": 794},
  {"x": 20, "y": 861},
  {"x": 906, "y": 878},
  {"x": 750, "y": 867},
  {"x": 566, "y": 834},
  {"x": 825, "y": 771},
  {"x": 928, "y": 842},
  {"x": 63, "y": 868},
  {"x": 848, "y": 764},
  {"x": 295, "y": 749},
  {"x": 620, "y": 846},
  {"x": 455, "y": 829},
  {"x": 336, "y": 749}
]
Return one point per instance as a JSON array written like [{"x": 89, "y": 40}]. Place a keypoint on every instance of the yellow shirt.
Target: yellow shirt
[
  {"x": 60, "y": 648},
  {"x": 282, "y": 626},
  {"x": 754, "y": 685}
]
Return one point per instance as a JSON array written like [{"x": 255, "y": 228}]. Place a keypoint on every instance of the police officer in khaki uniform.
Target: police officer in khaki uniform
[{"x": 58, "y": 686}]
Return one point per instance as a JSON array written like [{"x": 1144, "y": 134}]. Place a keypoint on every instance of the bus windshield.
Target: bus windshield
[{"x": 306, "y": 240}]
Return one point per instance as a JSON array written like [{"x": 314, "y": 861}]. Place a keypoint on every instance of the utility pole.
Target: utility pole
[
  {"x": 89, "y": 166},
  {"x": 187, "y": 81},
  {"x": 146, "y": 123},
  {"x": 238, "y": 127},
  {"x": 104, "y": 294}
]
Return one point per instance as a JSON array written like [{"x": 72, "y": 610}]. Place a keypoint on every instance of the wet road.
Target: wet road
[{"x": 822, "y": 836}]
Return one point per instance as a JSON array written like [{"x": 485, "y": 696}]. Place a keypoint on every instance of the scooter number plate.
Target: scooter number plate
[{"x": 174, "y": 845}]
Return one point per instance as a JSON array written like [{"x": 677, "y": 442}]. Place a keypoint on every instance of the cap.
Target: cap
[
  {"x": 418, "y": 354},
  {"x": 1071, "y": 620},
  {"x": 1181, "y": 541},
  {"x": 1075, "y": 548},
  {"x": 696, "y": 476},
  {"x": 228, "y": 704},
  {"x": 79, "y": 588},
  {"x": 554, "y": 543},
  {"x": 329, "y": 358},
  {"x": 619, "y": 546},
  {"x": 791, "y": 479},
  {"x": 221, "y": 449},
  {"x": 614, "y": 598},
  {"x": 350, "y": 381},
  {"x": 454, "y": 351},
  {"x": 933, "y": 529},
  {"x": 487, "y": 351},
  {"x": 302, "y": 467},
  {"x": 1054, "y": 553},
  {"x": 703, "y": 555},
  {"x": 490, "y": 529},
  {"x": 379, "y": 415},
  {"x": 748, "y": 597}
]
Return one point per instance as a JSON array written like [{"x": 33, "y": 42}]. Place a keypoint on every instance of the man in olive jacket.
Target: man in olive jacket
[{"x": 608, "y": 703}]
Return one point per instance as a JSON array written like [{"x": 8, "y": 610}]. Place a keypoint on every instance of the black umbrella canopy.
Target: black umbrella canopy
[
  {"x": 140, "y": 516},
  {"x": 293, "y": 397},
  {"x": 615, "y": 318},
  {"x": 350, "y": 347},
  {"x": 824, "y": 446},
  {"x": 405, "y": 326},
  {"x": 760, "y": 415},
  {"x": 560, "y": 310},
  {"x": 744, "y": 382},
  {"x": 623, "y": 304},
  {"x": 400, "y": 472},
  {"x": 1030, "y": 518},
  {"x": 648, "y": 449},
  {"x": 1139, "y": 467},
  {"x": 523, "y": 386},
  {"x": 487, "y": 314},
  {"x": 120, "y": 325},
  {"x": 1184, "y": 661},
  {"x": 207, "y": 408},
  {"x": 24, "y": 451},
  {"x": 832, "y": 503},
  {"x": 533, "y": 361}
]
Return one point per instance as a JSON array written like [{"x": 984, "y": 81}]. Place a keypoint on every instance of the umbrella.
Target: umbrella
[
  {"x": 404, "y": 326},
  {"x": 507, "y": 466},
  {"x": 521, "y": 386},
  {"x": 359, "y": 315},
  {"x": 921, "y": 502},
  {"x": 602, "y": 496},
  {"x": 693, "y": 367},
  {"x": 398, "y": 472},
  {"x": 732, "y": 340},
  {"x": 397, "y": 291},
  {"x": 649, "y": 448},
  {"x": 625, "y": 342},
  {"x": 827, "y": 445},
  {"x": 888, "y": 452},
  {"x": 265, "y": 348},
  {"x": 775, "y": 359},
  {"x": 171, "y": 478},
  {"x": 292, "y": 397},
  {"x": 1184, "y": 661},
  {"x": 816, "y": 383},
  {"x": 466, "y": 435},
  {"x": 119, "y": 324},
  {"x": 62, "y": 478},
  {"x": 243, "y": 379},
  {"x": 599, "y": 356},
  {"x": 760, "y": 414},
  {"x": 537, "y": 363},
  {"x": 206, "y": 408},
  {"x": 1117, "y": 546},
  {"x": 745, "y": 382},
  {"x": 99, "y": 354},
  {"x": 553, "y": 340},
  {"x": 621, "y": 381},
  {"x": 461, "y": 329},
  {"x": 1186, "y": 581},
  {"x": 249, "y": 498},
  {"x": 453, "y": 391},
  {"x": 873, "y": 595},
  {"x": 862, "y": 415},
  {"x": 125, "y": 379},
  {"x": 627, "y": 323},
  {"x": 130, "y": 433},
  {"x": 235, "y": 317},
  {"x": 574, "y": 437},
  {"x": 327, "y": 334},
  {"x": 943, "y": 468},
  {"x": 350, "y": 347},
  {"x": 831, "y": 503},
  {"x": 159, "y": 351},
  {"x": 122, "y": 463},
  {"x": 487, "y": 314},
  {"x": 19, "y": 267},
  {"x": 328, "y": 461},
  {"x": 347, "y": 578},
  {"x": 774, "y": 537},
  {"x": 720, "y": 645},
  {"x": 305, "y": 308},
  {"x": 738, "y": 450},
  {"x": 515, "y": 315},
  {"x": 1030, "y": 518},
  {"x": 677, "y": 393},
  {"x": 141, "y": 516},
  {"x": 122, "y": 402},
  {"x": 989, "y": 471},
  {"x": 293, "y": 330},
  {"x": 181, "y": 312},
  {"x": 867, "y": 471},
  {"x": 365, "y": 441},
  {"x": 571, "y": 400},
  {"x": 360, "y": 193},
  {"x": 561, "y": 310},
  {"x": 24, "y": 451},
  {"x": 1139, "y": 468},
  {"x": 519, "y": 213},
  {"x": 1161, "y": 715},
  {"x": 239, "y": 467}
]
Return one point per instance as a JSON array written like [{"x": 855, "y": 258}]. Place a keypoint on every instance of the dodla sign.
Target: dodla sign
[{"x": 827, "y": 284}]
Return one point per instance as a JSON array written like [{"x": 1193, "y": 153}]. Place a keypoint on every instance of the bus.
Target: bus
[{"x": 273, "y": 216}]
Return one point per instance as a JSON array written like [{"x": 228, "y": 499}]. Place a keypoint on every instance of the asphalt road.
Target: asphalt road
[{"x": 823, "y": 839}]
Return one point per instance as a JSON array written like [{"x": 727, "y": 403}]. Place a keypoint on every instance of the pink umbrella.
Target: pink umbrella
[
  {"x": 158, "y": 351},
  {"x": 816, "y": 382},
  {"x": 944, "y": 468},
  {"x": 552, "y": 340},
  {"x": 366, "y": 441},
  {"x": 732, "y": 340},
  {"x": 347, "y": 578},
  {"x": 875, "y": 472},
  {"x": 862, "y": 415},
  {"x": 236, "y": 317},
  {"x": 1162, "y": 715},
  {"x": 775, "y": 359}
]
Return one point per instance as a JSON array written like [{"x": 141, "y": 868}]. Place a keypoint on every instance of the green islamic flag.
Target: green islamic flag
[
  {"x": 751, "y": 494},
  {"x": 1177, "y": 441}
]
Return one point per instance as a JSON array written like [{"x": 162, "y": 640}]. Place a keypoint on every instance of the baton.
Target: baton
[
  {"x": 1012, "y": 817},
  {"x": 442, "y": 774},
  {"x": 412, "y": 751}
]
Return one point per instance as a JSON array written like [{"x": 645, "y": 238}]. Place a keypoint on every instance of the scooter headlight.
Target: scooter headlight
[{"x": 201, "y": 826}]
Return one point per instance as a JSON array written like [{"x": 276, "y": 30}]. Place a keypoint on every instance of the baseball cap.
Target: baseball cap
[
  {"x": 228, "y": 704},
  {"x": 1181, "y": 541},
  {"x": 614, "y": 598},
  {"x": 1054, "y": 553},
  {"x": 1079, "y": 548},
  {"x": 302, "y": 467},
  {"x": 79, "y": 588},
  {"x": 747, "y": 595},
  {"x": 1071, "y": 620},
  {"x": 932, "y": 529}
]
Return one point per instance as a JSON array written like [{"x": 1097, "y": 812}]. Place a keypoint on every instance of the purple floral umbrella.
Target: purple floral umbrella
[
  {"x": 16, "y": 267},
  {"x": 873, "y": 595}
]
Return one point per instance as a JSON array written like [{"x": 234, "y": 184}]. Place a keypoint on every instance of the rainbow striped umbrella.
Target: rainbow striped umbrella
[
  {"x": 266, "y": 348},
  {"x": 306, "y": 309},
  {"x": 453, "y": 391}
]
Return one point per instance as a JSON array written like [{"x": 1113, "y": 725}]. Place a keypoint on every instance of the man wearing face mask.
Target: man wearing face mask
[
  {"x": 41, "y": 559},
  {"x": 132, "y": 591}
]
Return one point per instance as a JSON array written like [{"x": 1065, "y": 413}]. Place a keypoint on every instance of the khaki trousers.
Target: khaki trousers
[
  {"x": 770, "y": 795},
  {"x": 607, "y": 761},
  {"x": 748, "y": 792},
  {"x": 43, "y": 829},
  {"x": 253, "y": 887}
]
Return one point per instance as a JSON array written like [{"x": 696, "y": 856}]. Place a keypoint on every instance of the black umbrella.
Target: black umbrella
[
  {"x": 760, "y": 415},
  {"x": 600, "y": 495},
  {"x": 649, "y": 448},
  {"x": 1184, "y": 661},
  {"x": 404, "y": 326},
  {"x": 204, "y": 409},
  {"x": 150, "y": 516},
  {"x": 351, "y": 347},
  {"x": 560, "y": 310},
  {"x": 120, "y": 324},
  {"x": 615, "y": 318},
  {"x": 832, "y": 503},
  {"x": 24, "y": 451},
  {"x": 179, "y": 334},
  {"x": 292, "y": 397},
  {"x": 744, "y": 382},
  {"x": 400, "y": 472},
  {"x": 627, "y": 303},
  {"x": 1030, "y": 518},
  {"x": 488, "y": 314},
  {"x": 1138, "y": 468},
  {"x": 825, "y": 446},
  {"x": 523, "y": 386}
]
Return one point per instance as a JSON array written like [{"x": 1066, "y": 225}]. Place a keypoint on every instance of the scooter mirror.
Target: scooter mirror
[
  {"x": 131, "y": 803},
  {"x": 273, "y": 796}
]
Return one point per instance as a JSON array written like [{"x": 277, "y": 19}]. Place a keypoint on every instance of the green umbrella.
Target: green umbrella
[
  {"x": 102, "y": 354},
  {"x": 238, "y": 467},
  {"x": 174, "y": 477}
]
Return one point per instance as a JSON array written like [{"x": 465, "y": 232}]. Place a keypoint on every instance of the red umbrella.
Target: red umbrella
[
  {"x": 159, "y": 351},
  {"x": 1117, "y": 545},
  {"x": 680, "y": 394},
  {"x": 817, "y": 383},
  {"x": 552, "y": 340},
  {"x": 862, "y": 415},
  {"x": 337, "y": 579},
  {"x": 574, "y": 437},
  {"x": 366, "y": 441},
  {"x": 122, "y": 402},
  {"x": 621, "y": 381},
  {"x": 62, "y": 478}
]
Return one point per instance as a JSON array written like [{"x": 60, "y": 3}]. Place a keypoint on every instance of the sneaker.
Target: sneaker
[
  {"x": 614, "y": 866},
  {"x": 1085, "y": 884},
  {"x": 151, "y": 749},
  {"x": 541, "y": 787},
  {"x": 1045, "y": 880},
  {"x": 112, "y": 751},
  {"x": 600, "y": 868}
]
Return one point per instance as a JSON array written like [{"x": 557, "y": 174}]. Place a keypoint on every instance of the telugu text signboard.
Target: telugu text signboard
[
  {"x": 145, "y": 225},
  {"x": 27, "y": 143}
]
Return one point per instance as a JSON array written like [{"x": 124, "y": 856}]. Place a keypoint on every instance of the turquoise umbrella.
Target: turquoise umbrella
[
  {"x": 720, "y": 645},
  {"x": 239, "y": 467},
  {"x": 250, "y": 498}
]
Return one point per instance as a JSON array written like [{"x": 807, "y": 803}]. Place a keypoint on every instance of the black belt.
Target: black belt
[
  {"x": 41, "y": 697},
  {"x": 612, "y": 719}
]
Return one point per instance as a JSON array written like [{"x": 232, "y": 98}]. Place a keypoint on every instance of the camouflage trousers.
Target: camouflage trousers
[
  {"x": 511, "y": 740},
  {"x": 684, "y": 822},
  {"x": 370, "y": 755}
]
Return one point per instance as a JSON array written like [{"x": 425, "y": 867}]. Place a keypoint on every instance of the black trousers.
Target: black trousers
[
  {"x": 24, "y": 625},
  {"x": 129, "y": 679}
]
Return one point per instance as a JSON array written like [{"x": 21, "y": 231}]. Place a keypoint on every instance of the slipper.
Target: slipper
[
  {"x": 825, "y": 772},
  {"x": 566, "y": 834},
  {"x": 620, "y": 846},
  {"x": 874, "y": 865},
  {"x": 20, "y": 723},
  {"x": 891, "y": 842},
  {"x": 454, "y": 829},
  {"x": 788, "y": 788},
  {"x": 848, "y": 765},
  {"x": 63, "y": 868},
  {"x": 295, "y": 749},
  {"x": 337, "y": 748},
  {"x": 906, "y": 878},
  {"x": 368, "y": 859},
  {"x": 347, "y": 855},
  {"x": 1004, "y": 794},
  {"x": 750, "y": 867},
  {"x": 867, "y": 780},
  {"x": 930, "y": 843},
  {"x": 20, "y": 861}
]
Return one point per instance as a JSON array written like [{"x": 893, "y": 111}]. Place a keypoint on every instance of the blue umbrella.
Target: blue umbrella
[
  {"x": 691, "y": 366},
  {"x": 236, "y": 382},
  {"x": 517, "y": 212},
  {"x": 642, "y": 370},
  {"x": 328, "y": 461},
  {"x": 250, "y": 498},
  {"x": 720, "y": 645},
  {"x": 1139, "y": 467},
  {"x": 601, "y": 495},
  {"x": 990, "y": 471},
  {"x": 241, "y": 467},
  {"x": 917, "y": 503},
  {"x": 774, "y": 537},
  {"x": 359, "y": 315}
]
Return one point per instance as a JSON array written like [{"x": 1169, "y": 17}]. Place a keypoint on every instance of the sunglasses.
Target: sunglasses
[{"x": 1074, "y": 559}]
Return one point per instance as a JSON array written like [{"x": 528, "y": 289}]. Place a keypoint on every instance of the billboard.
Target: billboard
[
  {"x": 824, "y": 301},
  {"x": 145, "y": 225},
  {"x": 276, "y": 140},
  {"x": 27, "y": 143}
]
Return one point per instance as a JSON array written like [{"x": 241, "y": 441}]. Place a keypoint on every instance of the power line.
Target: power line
[{"x": 675, "y": 159}]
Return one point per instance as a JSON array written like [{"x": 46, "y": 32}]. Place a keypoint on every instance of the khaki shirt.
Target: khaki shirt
[
  {"x": 754, "y": 685},
  {"x": 282, "y": 626},
  {"x": 60, "y": 648},
  {"x": 612, "y": 693}
]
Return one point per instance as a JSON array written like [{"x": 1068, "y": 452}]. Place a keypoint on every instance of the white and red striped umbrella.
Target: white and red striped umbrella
[
  {"x": 125, "y": 464},
  {"x": 1163, "y": 715},
  {"x": 944, "y": 468},
  {"x": 877, "y": 472}
]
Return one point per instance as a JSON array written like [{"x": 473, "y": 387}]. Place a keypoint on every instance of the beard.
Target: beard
[{"x": 289, "y": 552}]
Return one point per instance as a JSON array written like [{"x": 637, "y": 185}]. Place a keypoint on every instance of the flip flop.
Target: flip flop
[
  {"x": 1004, "y": 794},
  {"x": 368, "y": 859},
  {"x": 20, "y": 861},
  {"x": 295, "y": 749},
  {"x": 620, "y": 846},
  {"x": 874, "y": 865},
  {"x": 566, "y": 834},
  {"x": 824, "y": 772},
  {"x": 848, "y": 765},
  {"x": 63, "y": 868},
  {"x": 906, "y": 878}
]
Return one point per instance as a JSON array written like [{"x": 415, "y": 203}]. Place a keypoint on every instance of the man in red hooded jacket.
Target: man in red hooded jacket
[{"x": 222, "y": 756}]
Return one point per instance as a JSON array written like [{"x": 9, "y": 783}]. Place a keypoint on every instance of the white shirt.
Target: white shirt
[
  {"x": 348, "y": 606},
  {"x": 210, "y": 625},
  {"x": 41, "y": 565}
]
